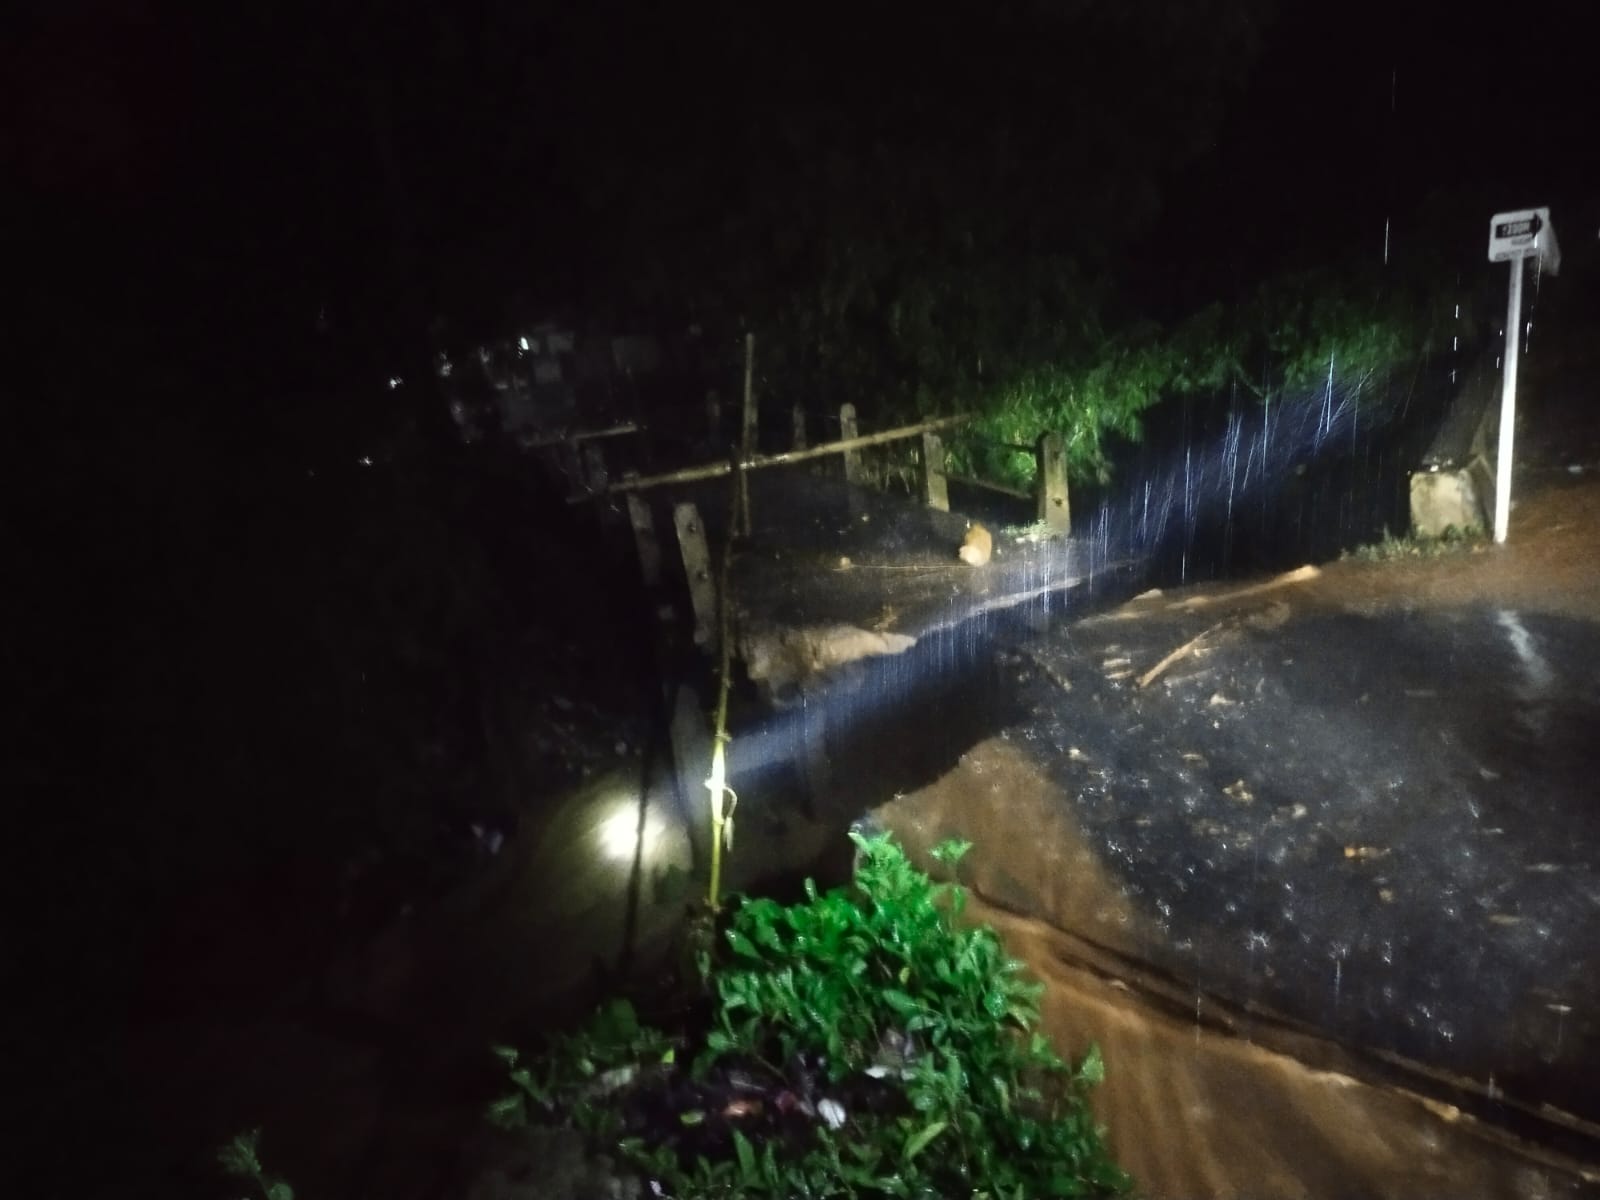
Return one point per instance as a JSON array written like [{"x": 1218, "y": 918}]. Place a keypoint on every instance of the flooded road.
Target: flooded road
[
  {"x": 1379, "y": 825},
  {"x": 1322, "y": 888},
  {"x": 1202, "y": 1097},
  {"x": 1330, "y": 839}
]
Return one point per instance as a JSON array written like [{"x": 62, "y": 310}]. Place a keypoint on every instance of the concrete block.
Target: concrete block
[{"x": 1444, "y": 499}]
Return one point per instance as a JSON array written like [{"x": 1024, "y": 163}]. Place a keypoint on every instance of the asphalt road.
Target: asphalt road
[{"x": 1384, "y": 826}]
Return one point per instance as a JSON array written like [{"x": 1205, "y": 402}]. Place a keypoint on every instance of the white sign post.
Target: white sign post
[{"x": 1513, "y": 237}]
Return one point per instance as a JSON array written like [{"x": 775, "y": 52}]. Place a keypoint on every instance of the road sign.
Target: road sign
[
  {"x": 1517, "y": 235},
  {"x": 1513, "y": 237}
]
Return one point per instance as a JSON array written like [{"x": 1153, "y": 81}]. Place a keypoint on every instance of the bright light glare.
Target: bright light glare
[
  {"x": 522, "y": 344},
  {"x": 619, "y": 834}
]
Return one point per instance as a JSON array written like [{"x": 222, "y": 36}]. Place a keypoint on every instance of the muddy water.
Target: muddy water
[{"x": 1198, "y": 1101}]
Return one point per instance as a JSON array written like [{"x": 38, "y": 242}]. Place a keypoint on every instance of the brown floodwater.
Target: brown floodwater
[{"x": 1198, "y": 1100}]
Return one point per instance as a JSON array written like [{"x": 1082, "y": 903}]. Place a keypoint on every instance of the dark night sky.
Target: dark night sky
[{"x": 209, "y": 174}]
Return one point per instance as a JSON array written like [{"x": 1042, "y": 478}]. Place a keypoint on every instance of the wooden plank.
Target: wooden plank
[
  {"x": 1177, "y": 655},
  {"x": 1003, "y": 488},
  {"x": 761, "y": 461},
  {"x": 697, "y": 570},
  {"x": 999, "y": 445},
  {"x": 569, "y": 437}
]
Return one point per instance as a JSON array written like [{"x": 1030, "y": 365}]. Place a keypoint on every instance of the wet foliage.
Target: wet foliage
[
  {"x": 241, "y": 1159},
  {"x": 860, "y": 1043},
  {"x": 1416, "y": 545},
  {"x": 1289, "y": 333}
]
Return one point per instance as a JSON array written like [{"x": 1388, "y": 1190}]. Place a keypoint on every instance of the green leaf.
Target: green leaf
[
  {"x": 1093, "y": 1068},
  {"x": 508, "y": 1112},
  {"x": 279, "y": 1190},
  {"x": 902, "y": 1003},
  {"x": 239, "y": 1157},
  {"x": 917, "y": 1144},
  {"x": 747, "y": 1156},
  {"x": 767, "y": 935},
  {"x": 742, "y": 945},
  {"x": 1003, "y": 1092}
]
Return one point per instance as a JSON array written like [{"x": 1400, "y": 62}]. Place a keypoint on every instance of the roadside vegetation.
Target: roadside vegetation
[
  {"x": 1415, "y": 545},
  {"x": 1289, "y": 334},
  {"x": 865, "y": 1042},
  {"x": 860, "y": 1043}
]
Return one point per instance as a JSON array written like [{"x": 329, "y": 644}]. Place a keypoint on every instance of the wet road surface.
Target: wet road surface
[
  {"x": 1210, "y": 1104},
  {"x": 1381, "y": 826}
]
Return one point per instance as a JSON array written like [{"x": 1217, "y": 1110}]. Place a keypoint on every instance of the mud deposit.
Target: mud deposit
[{"x": 1201, "y": 1098}]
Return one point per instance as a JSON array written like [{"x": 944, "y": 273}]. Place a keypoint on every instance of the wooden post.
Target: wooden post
[
  {"x": 644, "y": 541},
  {"x": 697, "y": 569},
  {"x": 854, "y": 473},
  {"x": 1054, "y": 511},
  {"x": 570, "y": 463},
  {"x": 798, "y": 416},
  {"x": 935, "y": 492},
  {"x": 714, "y": 420},
  {"x": 691, "y": 756},
  {"x": 595, "y": 476},
  {"x": 747, "y": 435},
  {"x": 847, "y": 431},
  {"x": 815, "y": 767}
]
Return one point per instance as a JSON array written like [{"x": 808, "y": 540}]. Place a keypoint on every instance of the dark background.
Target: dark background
[
  {"x": 226, "y": 228},
  {"x": 217, "y": 181}
]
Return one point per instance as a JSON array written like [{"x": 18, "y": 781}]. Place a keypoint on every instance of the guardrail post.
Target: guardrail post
[
  {"x": 644, "y": 541},
  {"x": 691, "y": 754},
  {"x": 847, "y": 431},
  {"x": 935, "y": 490},
  {"x": 1055, "y": 513},
  {"x": 798, "y": 416},
  {"x": 697, "y": 569}
]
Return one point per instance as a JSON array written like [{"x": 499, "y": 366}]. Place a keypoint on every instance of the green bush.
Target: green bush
[
  {"x": 1091, "y": 384},
  {"x": 1420, "y": 545},
  {"x": 241, "y": 1159},
  {"x": 858, "y": 1044}
]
